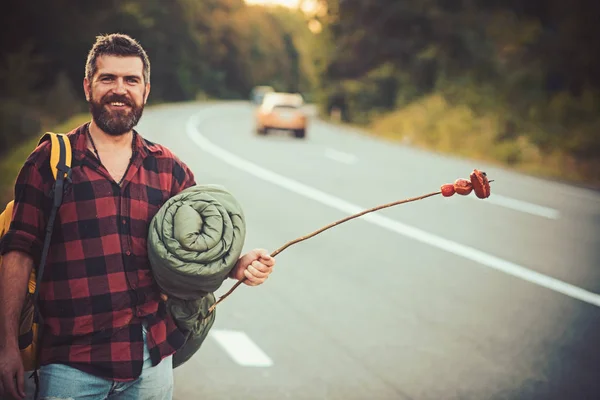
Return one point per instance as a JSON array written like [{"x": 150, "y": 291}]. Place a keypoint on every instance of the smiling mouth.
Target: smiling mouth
[{"x": 117, "y": 104}]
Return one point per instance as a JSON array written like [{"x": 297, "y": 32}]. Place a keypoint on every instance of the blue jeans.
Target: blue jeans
[{"x": 61, "y": 382}]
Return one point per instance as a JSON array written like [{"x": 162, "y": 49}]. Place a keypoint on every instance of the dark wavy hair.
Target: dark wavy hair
[{"x": 116, "y": 44}]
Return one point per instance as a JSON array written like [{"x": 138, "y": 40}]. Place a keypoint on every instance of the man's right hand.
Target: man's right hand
[
  {"x": 14, "y": 275},
  {"x": 11, "y": 372}
]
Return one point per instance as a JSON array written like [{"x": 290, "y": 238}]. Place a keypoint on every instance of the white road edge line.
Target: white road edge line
[
  {"x": 241, "y": 348},
  {"x": 522, "y": 206},
  {"x": 339, "y": 156},
  {"x": 467, "y": 252}
]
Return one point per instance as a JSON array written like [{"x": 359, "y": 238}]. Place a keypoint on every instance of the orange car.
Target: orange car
[{"x": 282, "y": 111}]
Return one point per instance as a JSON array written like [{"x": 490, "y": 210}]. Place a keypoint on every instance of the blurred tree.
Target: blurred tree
[
  {"x": 198, "y": 49},
  {"x": 532, "y": 63}
]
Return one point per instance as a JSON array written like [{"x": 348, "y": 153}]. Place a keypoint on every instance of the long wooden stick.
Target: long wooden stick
[{"x": 302, "y": 238}]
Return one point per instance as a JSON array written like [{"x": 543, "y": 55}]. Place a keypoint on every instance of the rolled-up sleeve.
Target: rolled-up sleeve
[{"x": 27, "y": 228}]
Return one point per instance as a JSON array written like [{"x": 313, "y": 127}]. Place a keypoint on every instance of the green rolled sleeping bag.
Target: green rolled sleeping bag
[
  {"x": 194, "y": 241},
  {"x": 193, "y": 318}
]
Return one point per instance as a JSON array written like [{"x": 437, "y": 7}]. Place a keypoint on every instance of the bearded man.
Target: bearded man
[{"x": 106, "y": 330}]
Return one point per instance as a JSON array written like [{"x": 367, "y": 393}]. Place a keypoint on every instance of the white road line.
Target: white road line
[
  {"x": 522, "y": 206},
  {"x": 339, "y": 156},
  {"x": 241, "y": 348},
  {"x": 496, "y": 199},
  {"x": 467, "y": 252}
]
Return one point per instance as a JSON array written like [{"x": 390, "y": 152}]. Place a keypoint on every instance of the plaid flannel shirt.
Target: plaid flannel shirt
[{"x": 97, "y": 286}]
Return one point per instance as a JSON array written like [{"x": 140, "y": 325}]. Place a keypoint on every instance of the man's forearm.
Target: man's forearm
[{"x": 14, "y": 276}]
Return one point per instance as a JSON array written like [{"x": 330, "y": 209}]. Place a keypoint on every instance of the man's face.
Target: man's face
[{"x": 117, "y": 93}]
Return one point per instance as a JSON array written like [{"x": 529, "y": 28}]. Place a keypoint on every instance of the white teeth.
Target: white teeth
[{"x": 117, "y": 104}]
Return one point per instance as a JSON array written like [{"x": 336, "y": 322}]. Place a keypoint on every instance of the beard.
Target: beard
[{"x": 115, "y": 122}]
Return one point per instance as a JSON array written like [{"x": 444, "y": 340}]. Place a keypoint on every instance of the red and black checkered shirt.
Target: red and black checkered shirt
[{"x": 97, "y": 286}]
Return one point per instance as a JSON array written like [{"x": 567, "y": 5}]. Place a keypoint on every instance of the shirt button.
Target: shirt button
[{"x": 128, "y": 252}]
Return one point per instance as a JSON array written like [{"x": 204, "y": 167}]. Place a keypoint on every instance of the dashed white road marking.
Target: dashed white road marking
[
  {"x": 450, "y": 246},
  {"x": 339, "y": 156},
  {"x": 522, "y": 206},
  {"x": 241, "y": 348},
  {"x": 496, "y": 199}
]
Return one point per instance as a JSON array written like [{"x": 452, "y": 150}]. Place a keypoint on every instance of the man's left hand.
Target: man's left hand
[{"x": 255, "y": 266}]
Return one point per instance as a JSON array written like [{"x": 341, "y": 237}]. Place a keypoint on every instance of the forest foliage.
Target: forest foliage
[
  {"x": 208, "y": 49},
  {"x": 512, "y": 81}
]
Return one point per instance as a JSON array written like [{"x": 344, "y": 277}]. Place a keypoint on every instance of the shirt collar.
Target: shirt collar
[{"x": 142, "y": 146}]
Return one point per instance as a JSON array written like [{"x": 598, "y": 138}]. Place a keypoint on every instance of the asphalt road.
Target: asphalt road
[{"x": 444, "y": 298}]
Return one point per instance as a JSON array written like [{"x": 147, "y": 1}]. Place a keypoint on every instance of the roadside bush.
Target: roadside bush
[{"x": 17, "y": 122}]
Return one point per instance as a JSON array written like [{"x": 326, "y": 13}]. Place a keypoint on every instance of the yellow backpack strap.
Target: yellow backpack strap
[
  {"x": 60, "y": 153},
  {"x": 60, "y": 164},
  {"x": 6, "y": 217}
]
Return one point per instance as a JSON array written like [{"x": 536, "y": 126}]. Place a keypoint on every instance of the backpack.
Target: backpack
[{"x": 30, "y": 321}]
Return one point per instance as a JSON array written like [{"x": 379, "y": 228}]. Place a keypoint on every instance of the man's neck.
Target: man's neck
[{"x": 105, "y": 140}]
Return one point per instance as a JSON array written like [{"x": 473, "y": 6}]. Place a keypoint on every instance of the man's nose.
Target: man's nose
[{"x": 119, "y": 87}]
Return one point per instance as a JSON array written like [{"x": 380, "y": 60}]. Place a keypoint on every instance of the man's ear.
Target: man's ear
[
  {"x": 87, "y": 88},
  {"x": 147, "y": 92}
]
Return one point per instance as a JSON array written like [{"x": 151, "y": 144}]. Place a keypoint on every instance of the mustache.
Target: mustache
[{"x": 118, "y": 99}]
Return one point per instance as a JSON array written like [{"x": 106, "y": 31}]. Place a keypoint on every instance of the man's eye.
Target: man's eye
[{"x": 132, "y": 80}]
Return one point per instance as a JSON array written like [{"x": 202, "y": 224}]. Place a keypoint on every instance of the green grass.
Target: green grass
[
  {"x": 435, "y": 124},
  {"x": 11, "y": 162}
]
